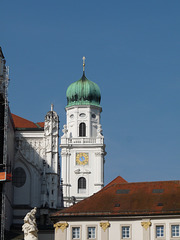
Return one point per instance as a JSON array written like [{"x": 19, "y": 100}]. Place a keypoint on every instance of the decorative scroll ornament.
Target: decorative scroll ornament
[
  {"x": 104, "y": 225},
  {"x": 62, "y": 226},
  {"x": 84, "y": 171},
  {"x": 100, "y": 153},
  {"x": 146, "y": 224}
]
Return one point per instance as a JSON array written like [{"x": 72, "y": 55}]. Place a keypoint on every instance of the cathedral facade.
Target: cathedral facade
[
  {"x": 36, "y": 170},
  {"x": 31, "y": 156}
]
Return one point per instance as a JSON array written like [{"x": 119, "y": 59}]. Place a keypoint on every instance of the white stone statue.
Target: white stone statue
[{"x": 29, "y": 227}]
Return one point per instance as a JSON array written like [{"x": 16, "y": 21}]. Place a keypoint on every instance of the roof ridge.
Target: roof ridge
[{"x": 160, "y": 181}]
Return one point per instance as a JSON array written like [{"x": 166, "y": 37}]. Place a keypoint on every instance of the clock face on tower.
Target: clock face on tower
[{"x": 82, "y": 158}]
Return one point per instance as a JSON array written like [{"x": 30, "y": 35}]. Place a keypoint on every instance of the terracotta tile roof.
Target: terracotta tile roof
[
  {"x": 20, "y": 122},
  {"x": 129, "y": 199},
  {"x": 118, "y": 179}
]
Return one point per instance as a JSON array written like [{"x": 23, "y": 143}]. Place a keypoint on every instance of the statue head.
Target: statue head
[{"x": 33, "y": 211}]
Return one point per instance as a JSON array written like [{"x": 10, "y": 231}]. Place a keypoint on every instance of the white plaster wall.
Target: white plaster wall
[
  {"x": 83, "y": 226},
  {"x": 33, "y": 151},
  {"x": 92, "y": 144},
  {"x": 74, "y": 118},
  {"x": 136, "y": 229},
  {"x": 167, "y": 223},
  {"x": 114, "y": 231},
  {"x": 91, "y": 171}
]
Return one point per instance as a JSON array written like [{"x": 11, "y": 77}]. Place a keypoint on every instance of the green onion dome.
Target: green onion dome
[{"x": 83, "y": 92}]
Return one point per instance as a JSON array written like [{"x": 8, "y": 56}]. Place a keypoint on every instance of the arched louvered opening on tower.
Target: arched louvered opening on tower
[
  {"x": 82, "y": 129},
  {"x": 81, "y": 185}
]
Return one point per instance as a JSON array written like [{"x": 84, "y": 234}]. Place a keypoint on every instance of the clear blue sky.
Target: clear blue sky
[{"x": 132, "y": 51}]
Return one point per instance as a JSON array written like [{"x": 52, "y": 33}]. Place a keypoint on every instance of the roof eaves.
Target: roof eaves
[
  {"x": 125, "y": 213},
  {"x": 30, "y": 129}
]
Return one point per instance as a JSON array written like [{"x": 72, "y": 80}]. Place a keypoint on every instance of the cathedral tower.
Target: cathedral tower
[{"x": 82, "y": 145}]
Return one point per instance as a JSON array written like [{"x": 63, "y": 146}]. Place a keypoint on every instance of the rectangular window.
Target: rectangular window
[
  {"x": 91, "y": 232},
  {"x": 76, "y": 233},
  {"x": 159, "y": 231},
  {"x": 125, "y": 232},
  {"x": 175, "y": 230}
]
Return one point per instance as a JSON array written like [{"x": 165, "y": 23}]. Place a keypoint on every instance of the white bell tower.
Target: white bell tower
[{"x": 82, "y": 145}]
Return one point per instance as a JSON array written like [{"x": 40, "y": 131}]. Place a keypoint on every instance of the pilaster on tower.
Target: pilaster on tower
[
  {"x": 82, "y": 144},
  {"x": 51, "y": 173}
]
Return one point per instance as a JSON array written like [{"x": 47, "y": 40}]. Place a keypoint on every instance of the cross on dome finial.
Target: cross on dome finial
[
  {"x": 83, "y": 64},
  {"x": 52, "y": 106}
]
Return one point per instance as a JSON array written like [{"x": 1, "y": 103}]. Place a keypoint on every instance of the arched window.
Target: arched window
[
  {"x": 81, "y": 185},
  {"x": 82, "y": 129}
]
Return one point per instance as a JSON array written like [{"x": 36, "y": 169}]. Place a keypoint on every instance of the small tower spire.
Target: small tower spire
[{"x": 83, "y": 65}]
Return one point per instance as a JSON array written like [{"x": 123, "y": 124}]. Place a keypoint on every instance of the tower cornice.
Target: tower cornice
[{"x": 84, "y": 106}]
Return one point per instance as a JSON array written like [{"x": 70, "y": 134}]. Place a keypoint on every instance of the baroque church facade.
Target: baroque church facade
[
  {"x": 32, "y": 157},
  {"x": 30, "y": 176}
]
